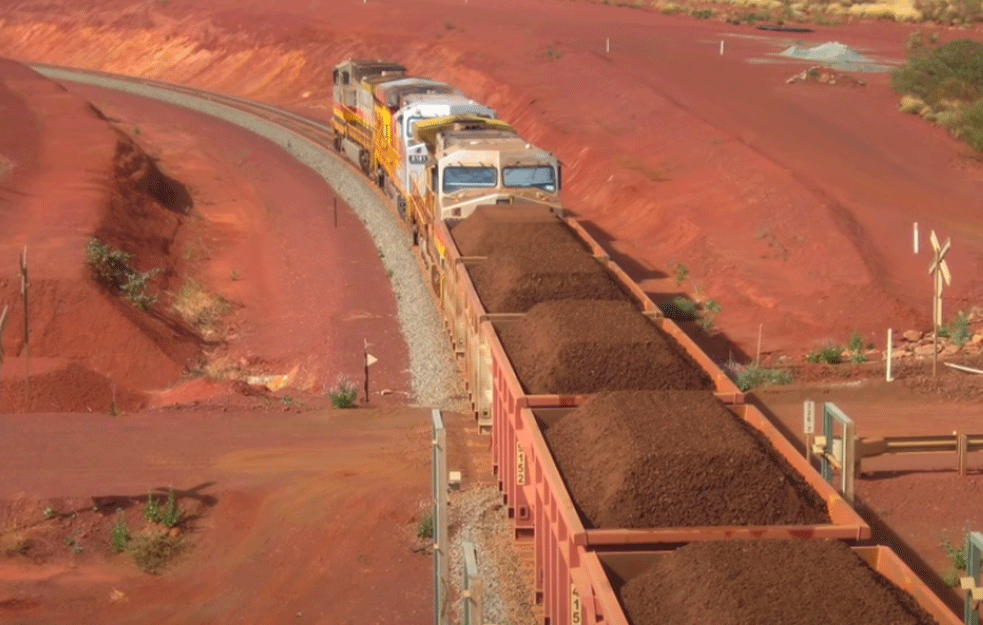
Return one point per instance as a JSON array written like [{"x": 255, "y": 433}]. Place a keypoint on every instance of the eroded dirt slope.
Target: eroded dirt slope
[
  {"x": 74, "y": 177},
  {"x": 250, "y": 274}
]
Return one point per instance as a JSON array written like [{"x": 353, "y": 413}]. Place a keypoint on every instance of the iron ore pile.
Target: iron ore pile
[
  {"x": 648, "y": 459},
  {"x": 752, "y": 582},
  {"x": 577, "y": 347}
]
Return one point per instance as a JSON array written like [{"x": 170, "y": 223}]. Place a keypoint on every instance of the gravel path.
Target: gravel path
[{"x": 435, "y": 377}]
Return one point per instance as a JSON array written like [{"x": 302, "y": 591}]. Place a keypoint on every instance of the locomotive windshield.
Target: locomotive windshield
[
  {"x": 457, "y": 178},
  {"x": 524, "y": 177}
]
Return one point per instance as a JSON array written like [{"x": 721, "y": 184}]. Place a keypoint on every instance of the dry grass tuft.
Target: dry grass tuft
[{"x": 201, "y": 308}]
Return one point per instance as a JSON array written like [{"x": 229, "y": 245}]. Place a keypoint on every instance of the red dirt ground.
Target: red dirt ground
[{"x": 790, "y": 204}]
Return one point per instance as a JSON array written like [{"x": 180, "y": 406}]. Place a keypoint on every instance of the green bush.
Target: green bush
[
  {"x": 344, "y": 394},
  {"x": 151, "y": 511},
  {"x": 171, "y": 516},
  {"x": 952, "y": 71},
  {"x": 425, "y": 528},
  {"x": 970, "y": 126},
  {"x": 680, "y": 309},
  {"x": 152, "y": 552},
  {"x": 752, "y": 376},
  {"x": 830, "y": 354},
  {"x": 120, "y": 534},
  {"x": 112, "y": 269}
]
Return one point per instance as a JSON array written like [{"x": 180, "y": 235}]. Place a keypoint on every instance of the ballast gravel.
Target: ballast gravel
[
  {"x": 476, "y": 515},
  {"x": 435, "y": 377}
]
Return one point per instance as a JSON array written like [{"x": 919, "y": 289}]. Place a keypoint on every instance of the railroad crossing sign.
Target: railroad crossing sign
[{"x": 939, "y": 270}]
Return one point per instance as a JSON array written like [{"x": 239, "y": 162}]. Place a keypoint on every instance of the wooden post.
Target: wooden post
[
  {"x": 757, "y": 357},
  {"x": 962, "y": 450},
  {"x": 3, "y": 322},
  {"x": 27, "y": 333}
]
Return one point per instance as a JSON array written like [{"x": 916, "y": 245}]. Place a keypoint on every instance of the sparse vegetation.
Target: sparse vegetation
[
  {"x": 200, "y": 307},
  {"x": 751, "y": 376},
  {"x": 113, "y": 270},
  {"x": 945, "y": 85},
  {"x": 151, "y": 511},
  {"x": 344, "y": 394},
  {"x": 680, "y": 309},
  {"x": 425, "y": 527},
  {"x": 120, "y": 534},
  {"x": 856, "y": 347},
  {"x": 552, "y": 53},
  {"x": 172, "y": 512},
  {"x": 710, "y": 310},
  {"x": 830, "y": 353},
  {"x": 682, "y": 272},
  {"x": 153, "y": 550},
  {"x": 957, "y": 331},
  {"x": 957, "y": 562}
]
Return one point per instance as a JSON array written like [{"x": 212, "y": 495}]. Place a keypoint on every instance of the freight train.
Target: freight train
[{"x": 624, "y": 454}]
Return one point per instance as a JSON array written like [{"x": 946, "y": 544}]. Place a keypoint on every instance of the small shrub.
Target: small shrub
[
  {"x": 344, "y": 394},
  {"x": 112, "y": 268},
  {"x": 680, "y": 309},
  {"x": 752, "y": 376},
  {"x": 153, "y": 551},
  {"x": 957, "y": 557},
  {"x": 856, "y": 347},
  {"x": 172, "y": 512},
  {"x": 682, "y": 272},
  {"x": 710, "y": 310},
  {"x": 151, "y": 511},
  {"x": 958, "y": 330},
  {"x": 911, "y": 105},
  {"x": 425, "y": 527},
  {"x": 702, "y": 14},
  {"x": 200, "y": 307},
  {"x": 120, "y": 534},
  {"x": 830, "y": 354}
]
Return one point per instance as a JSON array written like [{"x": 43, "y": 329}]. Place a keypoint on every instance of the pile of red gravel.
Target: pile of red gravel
[
  {"x": 656, "y": 459},
  {"x": 576, "y": 347},
  {"x": 515, "y": 281},
  {"x": 740, "y": 582},
  {"x": 497, "y": 228}
]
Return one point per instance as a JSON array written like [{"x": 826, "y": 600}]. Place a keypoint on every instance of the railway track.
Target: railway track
[{"x": 577, "y": 568}]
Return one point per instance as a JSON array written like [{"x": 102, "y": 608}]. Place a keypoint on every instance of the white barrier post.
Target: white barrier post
[
  {"x": 914, "y": 233},
  {"x": 890, "y": 355},
  {"x": 721, "y": 47},
  {"x": 607, "y": 46}
]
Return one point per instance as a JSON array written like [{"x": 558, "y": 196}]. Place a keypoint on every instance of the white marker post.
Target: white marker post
[
  {"x": 915, "y": 236},
  {"x": 721, "y": 47},
  {"x": 890, "y": 355},
  {"x": 607, "y": 46},
  {"x": 809, "y": 425}
]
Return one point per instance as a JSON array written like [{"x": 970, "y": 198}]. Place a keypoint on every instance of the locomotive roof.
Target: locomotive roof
[
  {"x": 393, "y": 91},
  {"x": 437, "y": 99},
  {"x": 363, "y": 67}
]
